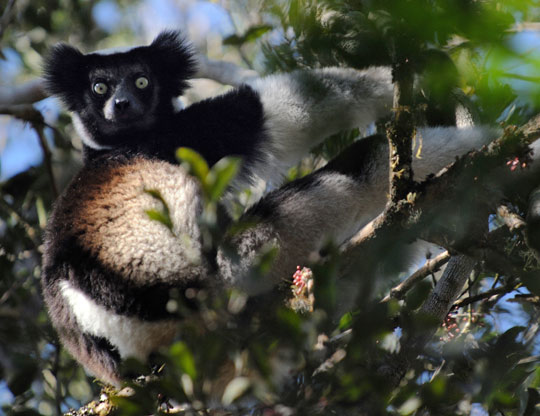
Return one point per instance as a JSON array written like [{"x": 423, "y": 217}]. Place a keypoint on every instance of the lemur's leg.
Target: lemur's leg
[{"x": 334, "y": 202}]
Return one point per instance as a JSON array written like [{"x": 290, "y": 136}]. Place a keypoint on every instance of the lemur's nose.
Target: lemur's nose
[{"x": 121, "y": 104}]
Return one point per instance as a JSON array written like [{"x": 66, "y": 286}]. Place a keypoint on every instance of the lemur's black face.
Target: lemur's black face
[
  {"x": 122, "y": 95},
  {"x": 116, "y": 97}
]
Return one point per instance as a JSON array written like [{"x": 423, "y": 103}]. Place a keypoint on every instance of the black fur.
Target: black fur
[
  {"x": 69, "y": 261},
  {"x": 150, "y": 128},
  {"x": 356, "y": 161},
  {"x": 231, "y": 124},
  {"x": 227, "y": 125},
  {"x": 67, "y": 71}
]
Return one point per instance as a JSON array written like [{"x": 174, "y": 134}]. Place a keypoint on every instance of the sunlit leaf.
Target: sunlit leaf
[
  {"x": 194, "y": 161},
  {"x": 235, "y": 389},
  {"x": 162, "y": 216},
  {"x": 183, "y": 357},
  {"x": 223, "y": 173}
]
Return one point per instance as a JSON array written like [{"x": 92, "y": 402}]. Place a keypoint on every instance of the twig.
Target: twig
[
  {"x": 30, "y": 230},
  {"x": 58, "y": 388},
  {"x": 226, "y": 73},
  {"x": 47, "y": 157},
  {"x": 522, "y": 298},
  {"x": 223, "y": 72},
  {"x": 24, "y": 112},
  {"x": 431, "y": 266},
  {"x": 28, "y": 113},
  {"x": 519, "y": 77},
  {"x": 6, "y": 17},
  {"x": 27, "y": 93},
  {"x": 511, "y": 220},
  {"x": 501, "y": 290}
]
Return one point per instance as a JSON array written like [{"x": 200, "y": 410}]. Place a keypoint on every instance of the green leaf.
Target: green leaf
[
  {"x": 163, "y": 216},
  {"x": 346, "y": 321},
  {"x": 255, "y": 32},
  {"x": 223, "y": 173},
  {"x": 183, "y": 357},
  {"x": 196, "y": 164},
  {"x": 159, "y": 216},
  {"x": 251, "y": 35},
  {"x": 233, "y": 40}
]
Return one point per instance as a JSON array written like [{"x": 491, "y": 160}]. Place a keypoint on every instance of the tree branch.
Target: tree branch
[
  {"x": 27, "y": 93},
  {"x": 464, "y": 194},
  {"x": 26, "y": 112},
  {"x": 448, "y": 288},
  {"x": 431, "y": 266},
  {"x": 6, "y": 17},
  {"x": 226, "y": 73},
  {"x": 47, "y": 158},
  {"x": 486, "y": 295},
  {"x": 400, "y": 132}
]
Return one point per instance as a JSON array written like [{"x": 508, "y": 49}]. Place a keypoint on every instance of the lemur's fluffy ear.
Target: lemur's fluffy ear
[
  {"x": 173, "y": 59},
  {"x": 64, "y": 70}
]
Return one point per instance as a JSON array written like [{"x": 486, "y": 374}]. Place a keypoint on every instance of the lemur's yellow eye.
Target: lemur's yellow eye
[
  {"x": 141, "y": 82},
  {"x": 100, "y": 88}
]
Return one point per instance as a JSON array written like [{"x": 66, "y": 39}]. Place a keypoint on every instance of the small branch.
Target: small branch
[
  {"x": 6, "y": 17},
  {"x": 24, "y": 112},
  {"x": 27, "y": 93},
  {"x": 32, "y": 233},
  {"x": 436, "y": 307},
  {"x": 47, "y": 158},
  {"x": 431, "y": 266},
  {"x": 516, "y": 223},
  {"x": 27, "y": 112},
  {"x": 526, "y": 298},
  {"x": 486, "y": 295},
  {"x": 224, "y": 72}
]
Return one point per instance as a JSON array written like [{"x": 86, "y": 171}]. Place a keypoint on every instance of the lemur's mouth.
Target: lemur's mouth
[
  {"x": 116, "y": 117},
  {"x": 127, "y": 121}
]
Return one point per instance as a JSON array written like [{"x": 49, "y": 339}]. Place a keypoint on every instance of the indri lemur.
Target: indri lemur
[{"x": 108, "y": 268}]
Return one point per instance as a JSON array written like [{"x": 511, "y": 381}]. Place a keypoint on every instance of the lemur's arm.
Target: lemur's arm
[
  {"x": 303, "y": 108},
  {"x": 273, "y": 121}
]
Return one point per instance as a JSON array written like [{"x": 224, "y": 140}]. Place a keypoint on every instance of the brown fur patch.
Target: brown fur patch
[{"x": 107, "y": 208}]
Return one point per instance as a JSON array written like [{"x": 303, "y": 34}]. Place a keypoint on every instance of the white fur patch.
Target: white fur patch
[
  {"x": 302, "y": 109},
  {"x": 84, "y": 134},
  {"x": 130, "y": 336},
  {"x": 437, "y": 147},
  {"x": 116, "y": 49}
]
